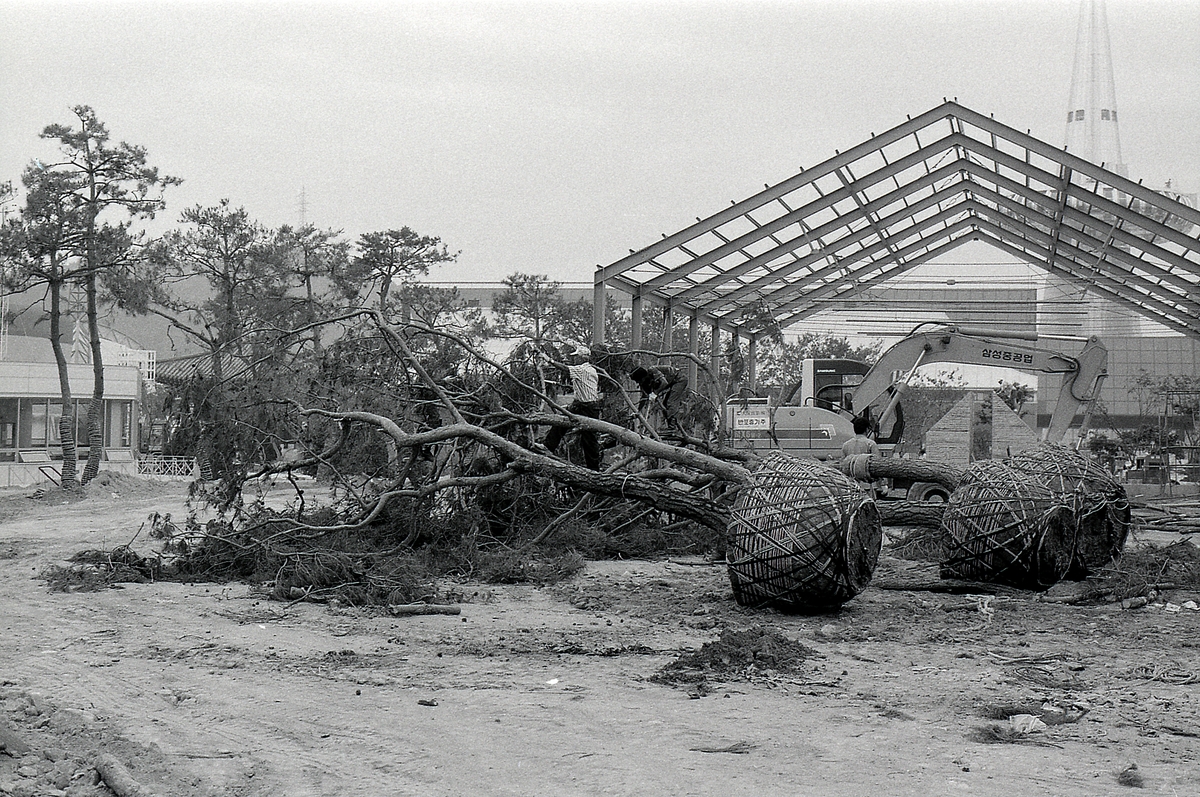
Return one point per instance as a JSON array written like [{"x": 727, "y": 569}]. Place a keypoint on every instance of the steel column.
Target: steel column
[
  {"x": 599, "y": 307},
  {"x": 635, "y": 323},
  {"x": 693, "y": 348}
]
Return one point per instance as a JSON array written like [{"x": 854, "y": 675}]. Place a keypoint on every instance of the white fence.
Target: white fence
[{"x": 173, "y": 467}]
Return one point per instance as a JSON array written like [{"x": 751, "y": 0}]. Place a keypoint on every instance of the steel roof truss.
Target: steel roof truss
[
  {"x": 1166, "y": 314},
  {"x": 1132, "y": 285},
  {"x": 949, "y": 230},
  {"x": 933, "y": 201},
  {"x": 934, "y": 198},
  {"x": 822, "y": 304},
  {"x": 1113, "y": 256},
  {"x": 1074, "y": 214},
  {"x": 1020, "y": 194},
  {"x": 826, "y": 202}
]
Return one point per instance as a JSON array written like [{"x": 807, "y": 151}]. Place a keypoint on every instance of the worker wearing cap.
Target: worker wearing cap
[{"x": 585, "y": 384}]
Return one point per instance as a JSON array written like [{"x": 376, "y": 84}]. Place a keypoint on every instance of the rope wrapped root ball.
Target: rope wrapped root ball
[
  {"x": 1001, "y": 525},
  {"x": 804, "y": 537},
  {"x": 1100, "y": 504}
]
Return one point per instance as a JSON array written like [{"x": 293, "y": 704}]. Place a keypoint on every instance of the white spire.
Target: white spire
[{"x": 1092, "y": 109}]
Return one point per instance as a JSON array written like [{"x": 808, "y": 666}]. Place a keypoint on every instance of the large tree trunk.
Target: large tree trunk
[
  {"x": 911, "y": 513},
  {"x": 96, "y": 409},
  {"x": 66, "y": 423},
  {"x": 917, "y": 470},
  {"x": 206, "y": 418},
  {"x": 622, "y": 485}
]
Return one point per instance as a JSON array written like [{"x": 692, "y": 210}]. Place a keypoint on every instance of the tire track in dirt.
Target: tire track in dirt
[{"x": 527, "y": 702}]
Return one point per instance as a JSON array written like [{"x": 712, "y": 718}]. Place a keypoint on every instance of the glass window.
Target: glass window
[
  {"x": 1079, "y": 116},
  {"x": 31, "y": 432},
  {"x": 1104, "y": 113},
  {"x": 1070, "y": 116},
  {"x": 8, "y": 429},
  {"x": 81, "y": 421},
  {"x": 118, "y": 429},
  {"x": 52, "y": 419}
]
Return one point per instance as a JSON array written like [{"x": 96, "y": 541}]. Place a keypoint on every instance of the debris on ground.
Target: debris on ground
[
  {"x": 919, "y": 544},
  {"x": 1146, "y": 572},
  {"x": 94, "y": 570},
  {"x": 1164, "y": 672},
  {"x": 1179, "y": 516},
  {"x": 1130, "y": 776},
  {"x": 737, "y": 748},
  {"x": 1006, "y": 734},
  {"x": 739, "y": 655},
  {"x": 72, "y": 762}
]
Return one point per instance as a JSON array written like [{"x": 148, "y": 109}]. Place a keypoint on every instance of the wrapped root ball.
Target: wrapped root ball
[
  {"x": 1003, "y": 526},
  {"x": 1101, "y": 505},
  {"x": 803, "y": 538}
]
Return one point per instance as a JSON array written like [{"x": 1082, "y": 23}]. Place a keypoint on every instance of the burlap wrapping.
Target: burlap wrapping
[
  {"x": 1101, "y": 506},
  {"x": 803, "y": 538},
  {"x": 1004, "y": 526}
]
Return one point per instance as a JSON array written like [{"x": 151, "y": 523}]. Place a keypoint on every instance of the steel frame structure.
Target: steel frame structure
[{"x": 902, "y": 198}]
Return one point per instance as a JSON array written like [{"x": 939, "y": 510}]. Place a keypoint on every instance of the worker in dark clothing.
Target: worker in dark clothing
[{"x": 671, "y": 387}]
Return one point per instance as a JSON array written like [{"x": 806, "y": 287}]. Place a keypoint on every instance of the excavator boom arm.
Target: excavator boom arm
[{"x": 1082, "y": 374}]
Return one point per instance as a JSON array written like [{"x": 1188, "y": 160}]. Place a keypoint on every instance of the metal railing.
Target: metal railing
[{"x": 177, "y": 467}]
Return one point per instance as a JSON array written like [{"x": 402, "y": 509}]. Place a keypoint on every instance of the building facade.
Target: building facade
[{"x": 31, "y": 406}]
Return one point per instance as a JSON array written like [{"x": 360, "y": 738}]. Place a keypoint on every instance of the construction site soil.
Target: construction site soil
[{"x": 632, "y": 678}]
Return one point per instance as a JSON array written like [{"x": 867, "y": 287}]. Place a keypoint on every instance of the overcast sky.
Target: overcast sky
[{"x": 554, "y": 137}]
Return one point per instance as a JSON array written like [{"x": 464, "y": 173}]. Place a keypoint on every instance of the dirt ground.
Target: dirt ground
[{"x": 214, "y": 690}]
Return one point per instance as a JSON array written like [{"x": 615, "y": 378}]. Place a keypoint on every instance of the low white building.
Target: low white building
[{"x": 31, "y": 405}]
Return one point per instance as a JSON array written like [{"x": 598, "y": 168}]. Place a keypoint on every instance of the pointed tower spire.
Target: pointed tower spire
[{"x": 1092, "y": 109}]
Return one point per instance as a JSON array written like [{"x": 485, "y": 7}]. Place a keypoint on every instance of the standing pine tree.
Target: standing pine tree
[
  {"x": 92, "y": 178},
  {"x": 37, "y": 245}
]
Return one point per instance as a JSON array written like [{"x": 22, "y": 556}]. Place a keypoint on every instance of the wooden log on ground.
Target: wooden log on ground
[
  {"x": 117, "y": 777},
  {"x": 409, "y": 609}
]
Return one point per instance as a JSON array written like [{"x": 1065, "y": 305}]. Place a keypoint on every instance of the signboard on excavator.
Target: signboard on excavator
[{"x": 751, "y": 418}]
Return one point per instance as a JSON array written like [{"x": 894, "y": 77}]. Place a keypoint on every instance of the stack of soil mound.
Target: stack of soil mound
[
  {"x": 1100, "y": 504},
  {"x": 1003, "y": 525},
  {"x": 804, "y": 538}
]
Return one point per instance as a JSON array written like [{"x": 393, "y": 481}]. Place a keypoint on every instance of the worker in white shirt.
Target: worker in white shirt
[{"x": 585, "y": 384}]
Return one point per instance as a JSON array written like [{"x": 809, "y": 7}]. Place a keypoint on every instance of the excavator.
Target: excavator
[{"x": 814, "y": 418}]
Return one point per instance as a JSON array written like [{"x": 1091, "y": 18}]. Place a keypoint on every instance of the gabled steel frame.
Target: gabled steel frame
[{"x": 871, "y": 213}]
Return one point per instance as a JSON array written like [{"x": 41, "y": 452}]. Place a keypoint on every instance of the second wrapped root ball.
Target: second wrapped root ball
[
  {"x": 1004, "y": 526},
  {"x": 1100, "y": 504}
]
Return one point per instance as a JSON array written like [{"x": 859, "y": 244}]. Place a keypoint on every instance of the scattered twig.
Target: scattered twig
[
  {"x": 737, "y": 748},
  {"x": 1169, "y": 674}
]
